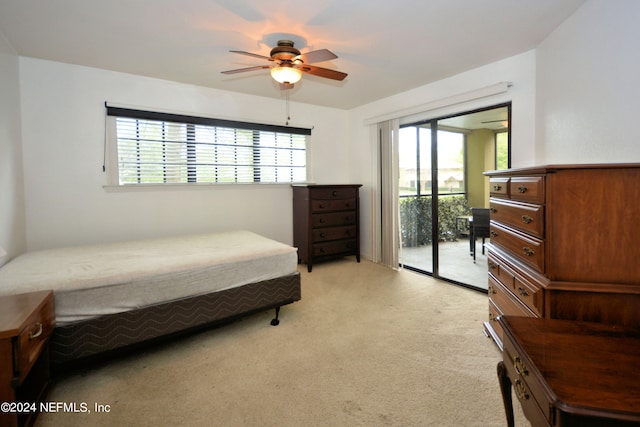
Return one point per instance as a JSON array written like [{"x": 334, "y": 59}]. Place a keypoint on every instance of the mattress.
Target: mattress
[{"x": 95, "y": 280}]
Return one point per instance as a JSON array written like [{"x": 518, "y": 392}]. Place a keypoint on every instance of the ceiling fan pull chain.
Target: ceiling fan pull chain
[{"x": 287, "y": 107}]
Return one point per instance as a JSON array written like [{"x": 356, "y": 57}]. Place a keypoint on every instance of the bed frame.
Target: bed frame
[{"x": 106, "y": 335}]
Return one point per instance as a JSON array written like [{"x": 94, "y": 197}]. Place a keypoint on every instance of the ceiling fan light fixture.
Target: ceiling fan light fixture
[{"x": 286, "y": 74}]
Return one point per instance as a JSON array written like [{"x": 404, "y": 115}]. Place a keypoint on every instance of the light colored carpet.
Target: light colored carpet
[{"x": 366, "y": 346}]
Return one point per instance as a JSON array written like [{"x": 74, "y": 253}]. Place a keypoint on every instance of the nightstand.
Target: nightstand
[{"x": 26, "y": 323}]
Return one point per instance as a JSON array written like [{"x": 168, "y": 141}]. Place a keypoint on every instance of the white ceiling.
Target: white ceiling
[{"x": 385, "y": 46}]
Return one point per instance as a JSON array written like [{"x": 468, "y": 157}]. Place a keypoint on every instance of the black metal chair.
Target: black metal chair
[{"x": 478, "y": 228}]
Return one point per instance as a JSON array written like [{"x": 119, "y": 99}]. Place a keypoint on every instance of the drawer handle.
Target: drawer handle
[
  {"x": 494, "y": 234},
  {"x": 521, "y": 391},
  {"x": 523, "y": 292},
  {"x": 321, "y": 206},
  {"x": 528, "y": 251},
  {"x": 34, "y": 335},
  {"x": 522, "y": 189},
  {"x": 322, "y": 235},
  {"x": 492, "y": 291},
  {"x": 493, "y": 210},
  {"x": 334, "y": 193},
  {"x": 321, "y": 220},
  {"x": 497, "y": 187},
  {"x": 492, "y": 265},
  {"x": 527, "y": 219},
  {"x": 520, "y": 367}
]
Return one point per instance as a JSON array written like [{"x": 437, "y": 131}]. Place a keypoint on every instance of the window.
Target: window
[
  {"x": 451, "y": 164},
  {"x": 160, "y": 148},
  {"x": 415, "y": 161},
  {"x": 502, "y": 150}
]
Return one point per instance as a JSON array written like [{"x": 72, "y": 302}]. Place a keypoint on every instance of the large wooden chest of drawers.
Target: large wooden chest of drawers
[
  {"x": 326, "y": 222},
  {"x": 565, "y": 244}
]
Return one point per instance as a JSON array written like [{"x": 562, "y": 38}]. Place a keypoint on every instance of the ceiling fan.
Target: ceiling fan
[
  {"x": 503, "y": 122},
  {"x": 289, "y": 64}
]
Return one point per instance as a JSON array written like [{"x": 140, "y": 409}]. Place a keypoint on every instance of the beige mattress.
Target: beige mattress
[{"x": 90, "y": 281}]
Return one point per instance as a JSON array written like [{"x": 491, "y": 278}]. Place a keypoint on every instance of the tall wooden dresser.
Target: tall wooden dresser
[
  {"x": 565, "y": 244},
  {"x": 326, "y": 222}
]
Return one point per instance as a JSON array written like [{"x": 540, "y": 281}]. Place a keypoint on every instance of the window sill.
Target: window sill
[{"x": 190, "y": 187}]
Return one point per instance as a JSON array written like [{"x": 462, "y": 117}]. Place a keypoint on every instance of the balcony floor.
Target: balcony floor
[{"x": 456, "y": 263}]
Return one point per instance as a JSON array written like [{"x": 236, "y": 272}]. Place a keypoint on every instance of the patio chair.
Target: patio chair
[{"x": 478, "y": 228}]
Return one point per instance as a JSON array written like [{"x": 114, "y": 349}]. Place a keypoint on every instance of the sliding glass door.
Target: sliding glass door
[
  {"x": 416, "y": 196},
  {"x": 441, "y": 165}
]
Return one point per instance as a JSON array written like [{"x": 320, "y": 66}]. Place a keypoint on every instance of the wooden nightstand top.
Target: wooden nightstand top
[{"x": 15, "y": 310}]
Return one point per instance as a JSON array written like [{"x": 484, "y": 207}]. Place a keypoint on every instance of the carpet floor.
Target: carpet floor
[{"x": 366, "y": 346}]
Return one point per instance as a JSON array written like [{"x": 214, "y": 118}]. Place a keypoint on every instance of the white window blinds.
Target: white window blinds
[{"x": 161, "y": 148}]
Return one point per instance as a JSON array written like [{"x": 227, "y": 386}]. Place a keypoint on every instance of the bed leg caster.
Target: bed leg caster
[{"x": 275, "y": 321}]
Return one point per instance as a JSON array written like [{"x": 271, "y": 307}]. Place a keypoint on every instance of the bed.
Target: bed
[{"x": 114, "y": 296}]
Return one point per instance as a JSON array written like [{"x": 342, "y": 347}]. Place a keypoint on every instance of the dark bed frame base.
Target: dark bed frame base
[{"x": 113, "y": 334}]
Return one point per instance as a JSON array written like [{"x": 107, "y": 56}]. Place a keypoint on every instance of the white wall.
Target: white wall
[
  {"x": 519, "y": 69},
  {"x": 574, "y": 100},
  {"x": 63, "y": 119},
  {"x": 588, "y": 85},
  {"x": 12, "y": 226}
]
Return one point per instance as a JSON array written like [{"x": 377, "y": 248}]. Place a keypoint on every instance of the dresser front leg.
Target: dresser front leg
[{"x": 505, "y": 388}]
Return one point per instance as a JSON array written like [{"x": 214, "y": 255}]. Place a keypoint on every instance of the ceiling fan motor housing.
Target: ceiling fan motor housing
[
  {"x": 290, "y": 64},
  {"x": 284, "y": 51}
]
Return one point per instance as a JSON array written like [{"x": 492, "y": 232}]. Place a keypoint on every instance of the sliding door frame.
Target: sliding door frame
[{"x": 435, "y": 194}]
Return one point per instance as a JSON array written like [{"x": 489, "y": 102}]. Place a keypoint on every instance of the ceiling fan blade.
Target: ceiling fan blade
[
  {"x": 317, "y": 56},
  {"x": 323, "y": 72},
  {"x": 242, "y": 70},
  {"x": 255, "y": 55}
]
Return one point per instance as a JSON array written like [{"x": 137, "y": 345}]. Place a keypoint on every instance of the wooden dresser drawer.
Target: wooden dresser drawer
[
  {"x": 323, "y": 205},
  {"x": 502, "y": 302},
  {"x": 501, "y": 271},
  {"x": 493, "y": 266},
  {"x": 526, "y": 387},
  {"x": 499, "y": 187},
  {"x": 333, "y": 193},
  {"x": 524, "y": 287},
  {"x": 504, "y": 299},
  {"x": 527, "y": 188},
  {"x": 525, "y": 217},
  {"x": 530, "y": 295},
  {"x": 335, "y": 247},
  {"x": 528, "y": 249},
  {"x": 494, "y": 314},
  {"x": 32, "y": 338},
  {"x": 334, "y": 233},
  {"x": 333, "y": 219}
]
